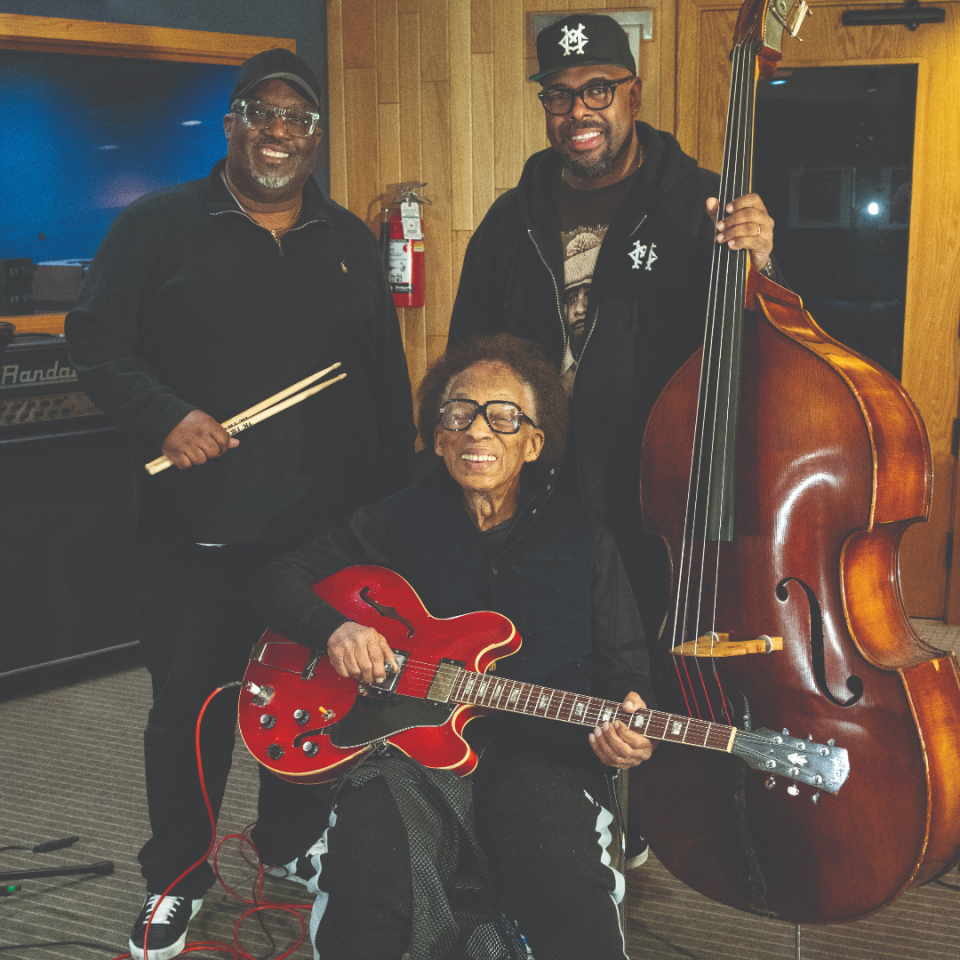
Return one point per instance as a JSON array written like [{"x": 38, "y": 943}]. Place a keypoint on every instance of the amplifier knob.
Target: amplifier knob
[{"x": 274, "y": 751}]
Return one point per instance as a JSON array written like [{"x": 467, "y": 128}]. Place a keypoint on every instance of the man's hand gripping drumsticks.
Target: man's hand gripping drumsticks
[{"x": 198, "y": 438}]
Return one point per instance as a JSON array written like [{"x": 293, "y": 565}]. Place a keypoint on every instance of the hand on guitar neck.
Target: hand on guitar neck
[
  {"x": 618, "y": 747},
  {"x": 361, "y": 653}
]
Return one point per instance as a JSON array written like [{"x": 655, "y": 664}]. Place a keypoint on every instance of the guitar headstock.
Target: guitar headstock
[{"x": 821, "y": 765}]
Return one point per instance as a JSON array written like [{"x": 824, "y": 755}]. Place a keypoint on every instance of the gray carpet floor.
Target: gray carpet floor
[{"x": 70, "y": 763}]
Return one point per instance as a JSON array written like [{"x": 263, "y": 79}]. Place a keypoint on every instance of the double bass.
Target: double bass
[{"x": 781, "y": 469}]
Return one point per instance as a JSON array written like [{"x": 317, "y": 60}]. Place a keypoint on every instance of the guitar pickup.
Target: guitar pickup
[{"x": 387, "y": 687}]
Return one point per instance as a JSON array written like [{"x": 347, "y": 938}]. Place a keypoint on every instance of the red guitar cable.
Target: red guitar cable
[{"x": 236, "y": 951}]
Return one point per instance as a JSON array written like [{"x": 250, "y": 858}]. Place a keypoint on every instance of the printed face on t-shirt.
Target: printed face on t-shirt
[{"x": 580, "y": 247}]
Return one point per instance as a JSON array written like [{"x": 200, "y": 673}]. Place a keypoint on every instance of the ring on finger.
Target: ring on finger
[{"x": 759, "y": 230}]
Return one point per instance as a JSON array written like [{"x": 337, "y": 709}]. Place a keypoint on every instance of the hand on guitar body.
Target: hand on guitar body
[
  {"x": 360, "y": 652},
  {"x": 618, "y": 747}
]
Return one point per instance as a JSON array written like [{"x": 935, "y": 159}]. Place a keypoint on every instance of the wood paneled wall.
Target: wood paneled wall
[{"x": 436, "y": 91}]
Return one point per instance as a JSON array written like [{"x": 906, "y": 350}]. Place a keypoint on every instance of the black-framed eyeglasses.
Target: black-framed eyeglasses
[
  {"x": 259, "y": 115},
  {"x": 502, "y": 416},
  {"x": 597, "y": 96}
]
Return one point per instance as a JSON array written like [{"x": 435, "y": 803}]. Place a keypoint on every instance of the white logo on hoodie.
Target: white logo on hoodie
[{"x": 639, "y": 251}]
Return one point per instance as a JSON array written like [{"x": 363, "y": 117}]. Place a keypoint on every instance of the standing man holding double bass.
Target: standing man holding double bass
[
  {"x": 204, "y": 299},
  {"x": 601, "y": 254}
]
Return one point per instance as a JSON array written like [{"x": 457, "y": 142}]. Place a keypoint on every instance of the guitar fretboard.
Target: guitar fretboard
[{"x": 514, "y": 696}]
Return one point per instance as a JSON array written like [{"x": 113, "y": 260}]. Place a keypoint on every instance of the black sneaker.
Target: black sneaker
[{"x": 168, "y": 930}]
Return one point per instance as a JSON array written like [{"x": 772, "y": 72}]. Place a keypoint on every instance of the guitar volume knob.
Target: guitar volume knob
[
  {"x": 310, "y": 748},
  {"x": 267, "y": 720},
  {"x": 301, "y": 716},
  {"x": 274, "y": 751}
]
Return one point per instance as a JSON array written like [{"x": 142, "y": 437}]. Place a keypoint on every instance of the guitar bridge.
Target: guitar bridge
[{"x": 387, "y": 686}]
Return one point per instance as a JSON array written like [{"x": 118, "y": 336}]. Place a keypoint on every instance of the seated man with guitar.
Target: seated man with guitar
[{"x": 488, "y": 533}]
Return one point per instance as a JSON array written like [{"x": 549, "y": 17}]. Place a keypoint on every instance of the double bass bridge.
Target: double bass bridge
[{"x": 720, "y": 645}]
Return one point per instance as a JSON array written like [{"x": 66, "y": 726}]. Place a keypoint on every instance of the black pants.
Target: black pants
[
  {"x": 538, "y": 826},
  {"x": 196, "y": 633}
]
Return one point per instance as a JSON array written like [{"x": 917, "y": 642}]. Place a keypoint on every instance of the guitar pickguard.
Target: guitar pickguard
[{"x": 371, "y": 719}]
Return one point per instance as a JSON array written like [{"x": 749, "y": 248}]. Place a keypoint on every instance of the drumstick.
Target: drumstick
[
  {"x": 256, "y": 408},
  {"x": 249, "y": 417}
]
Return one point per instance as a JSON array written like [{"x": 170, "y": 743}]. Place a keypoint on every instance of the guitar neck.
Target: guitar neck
[{"x": 514, "y": 696}]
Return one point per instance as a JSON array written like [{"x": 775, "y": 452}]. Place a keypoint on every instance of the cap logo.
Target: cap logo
[{"x": 573, "y": 41}]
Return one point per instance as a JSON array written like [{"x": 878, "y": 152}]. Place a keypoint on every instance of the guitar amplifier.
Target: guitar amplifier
[
  {"x": 39, "y": 391},
  {"x": 68, "y": 553}
]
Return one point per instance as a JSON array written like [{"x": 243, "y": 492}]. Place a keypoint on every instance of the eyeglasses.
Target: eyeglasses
[
  {"x": 501, "y": 415},
  {"x": 260, "y": 115},
  {"x": 597, "y": 96}
]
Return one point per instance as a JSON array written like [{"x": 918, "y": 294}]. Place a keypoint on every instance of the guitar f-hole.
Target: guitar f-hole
[{"x": 391, "y": 613}]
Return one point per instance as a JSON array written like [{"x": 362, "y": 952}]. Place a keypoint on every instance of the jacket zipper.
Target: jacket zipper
[
  {"x": 556, "y": 291},
  {"x": 276, "y": 240},
  {"x": 583, "y": 349}
]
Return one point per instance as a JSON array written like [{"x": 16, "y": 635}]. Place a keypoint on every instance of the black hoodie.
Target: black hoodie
[{"x": 647, "y": 312}]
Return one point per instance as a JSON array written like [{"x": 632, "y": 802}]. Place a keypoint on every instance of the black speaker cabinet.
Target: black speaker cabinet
[{"x": 68, "y": 556}]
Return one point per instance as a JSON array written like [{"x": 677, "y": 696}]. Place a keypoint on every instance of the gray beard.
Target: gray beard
[{"x": 272, "y": 181}]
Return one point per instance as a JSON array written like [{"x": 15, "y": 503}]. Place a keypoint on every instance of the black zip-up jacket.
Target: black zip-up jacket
[
  {"x": 557, "y": 576},
  {"x": 189, "y": 304},
  {"x": 647, "y": 310}
]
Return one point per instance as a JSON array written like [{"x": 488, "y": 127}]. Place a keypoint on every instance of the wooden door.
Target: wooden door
[{"x": 931, "y": 349}]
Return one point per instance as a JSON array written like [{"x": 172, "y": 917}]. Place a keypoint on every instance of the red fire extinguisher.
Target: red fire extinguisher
[{"x": 401, "y": 237}]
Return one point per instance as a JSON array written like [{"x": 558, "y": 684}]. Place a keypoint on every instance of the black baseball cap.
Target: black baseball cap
[
  {"x": 277, "y": 64},
  {"x": 582, "y": 39}
]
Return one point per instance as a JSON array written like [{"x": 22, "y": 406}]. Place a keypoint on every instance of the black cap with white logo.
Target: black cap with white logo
[{"x": 582, "y": 39}]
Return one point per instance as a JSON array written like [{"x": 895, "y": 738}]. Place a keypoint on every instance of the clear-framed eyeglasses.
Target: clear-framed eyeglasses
[
  {"x": 502, "y": 416},
  {"x": 259, "y": 115},
  {"x": 598, "y": 95}
]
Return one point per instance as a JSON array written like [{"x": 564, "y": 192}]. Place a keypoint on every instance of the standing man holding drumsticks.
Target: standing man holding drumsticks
[{"x": 203, "y": 300}]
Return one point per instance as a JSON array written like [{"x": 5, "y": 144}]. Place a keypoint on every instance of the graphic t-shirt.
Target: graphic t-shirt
[{"x": 585, "y": 216}]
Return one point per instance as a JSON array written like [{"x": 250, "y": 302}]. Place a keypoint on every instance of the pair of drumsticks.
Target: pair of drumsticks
[{"x": 266, "y": 408}]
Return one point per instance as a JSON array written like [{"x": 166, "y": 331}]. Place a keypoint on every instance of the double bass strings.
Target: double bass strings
[{"x": 717, "y": 401}]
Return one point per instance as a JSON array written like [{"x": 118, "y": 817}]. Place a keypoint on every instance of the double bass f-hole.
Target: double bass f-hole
[
  {"x": 391, "y": 613},
  {"x": 818, "y": 653}
]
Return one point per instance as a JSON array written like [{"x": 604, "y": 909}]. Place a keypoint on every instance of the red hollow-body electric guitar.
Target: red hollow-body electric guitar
[{"x": 307, "y": 724}]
